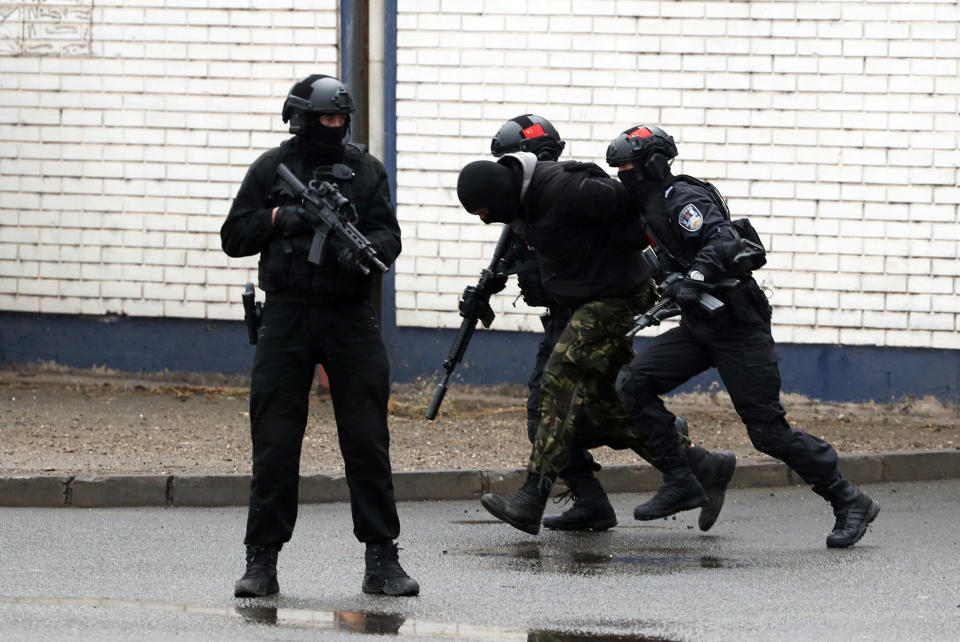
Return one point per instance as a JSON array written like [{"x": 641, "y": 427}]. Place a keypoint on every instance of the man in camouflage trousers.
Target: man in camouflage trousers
[{"x": 571, "y": 213}]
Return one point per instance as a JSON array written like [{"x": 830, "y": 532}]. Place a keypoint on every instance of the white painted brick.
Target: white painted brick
[
  {"x": 39, "y": 287},
  {"x": 121, "y": 290},
  {"x": 140, "y": 308},
  {"x": 923, "y": 284},
  {"x": 910, "y": 302},
  {"x": 945, "y": 340},
  {"x": 909, "y": 339},
  {"x": 80, "y": 289},
  {"x": 883, "y": 283},
  {"x": 904, "y": 265},
  {"x": 885, "y": 320},
  {"x": 19, "y": 303}
]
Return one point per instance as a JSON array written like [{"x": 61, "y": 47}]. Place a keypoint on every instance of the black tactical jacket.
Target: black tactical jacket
[
  {"x": 691, "y": 226},
  {"x": 572, "y": 213},
  {"x": 283, "y": 265}
]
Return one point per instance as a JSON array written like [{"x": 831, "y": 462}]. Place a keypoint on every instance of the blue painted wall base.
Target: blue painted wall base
[{"x": 131, "y": 344}]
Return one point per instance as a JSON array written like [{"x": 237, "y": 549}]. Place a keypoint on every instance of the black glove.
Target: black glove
[
  {"x": 349, "y": 260},
  {"x": 681, "y": 289},
  {"x": 496, "y": 283},
  {"x": 291, "y": 220}
]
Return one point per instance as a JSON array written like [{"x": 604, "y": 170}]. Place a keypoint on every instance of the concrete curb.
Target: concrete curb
[{"x": 232, "y": 490}]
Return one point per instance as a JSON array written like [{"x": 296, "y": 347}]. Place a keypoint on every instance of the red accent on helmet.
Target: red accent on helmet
[
  {"x": 650, "y": 238},
  {"x": 534, "y": 131},
  {"x": 642, "y": 132}
]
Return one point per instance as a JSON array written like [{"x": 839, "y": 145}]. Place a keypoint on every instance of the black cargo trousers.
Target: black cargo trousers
[
  {"x": 746, "y": 357},
  {"x": 580, "y": 463},
  {"x": 344, "y": 337}
]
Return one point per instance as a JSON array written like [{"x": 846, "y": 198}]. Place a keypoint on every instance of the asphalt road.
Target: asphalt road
[{"x": 762, "y": 573}]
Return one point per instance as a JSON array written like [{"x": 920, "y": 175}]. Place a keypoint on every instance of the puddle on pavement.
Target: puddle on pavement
[
  {"x": 533, "y": 557},
  {"x": 254, "y": 612}
]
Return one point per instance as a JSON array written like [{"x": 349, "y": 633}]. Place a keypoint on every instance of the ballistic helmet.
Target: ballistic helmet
[
  {"x": 647, "y": 146},
  {"x": 316, "y": 94},
  {"x": 528, "y": 133}
]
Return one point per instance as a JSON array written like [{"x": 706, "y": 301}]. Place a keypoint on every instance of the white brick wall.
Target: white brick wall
[
  {"x": 125, "y": 130},
  {"x": 833, "y": 125},
  {"x": 126, "y": 127}
]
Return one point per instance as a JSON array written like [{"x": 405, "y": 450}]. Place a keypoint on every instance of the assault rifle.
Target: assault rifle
[
  {"x": 329, "y": 210},
  {"x": 474, "y": 306}
]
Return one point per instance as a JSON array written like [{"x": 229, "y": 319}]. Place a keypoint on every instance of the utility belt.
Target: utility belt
[{"x": 305, "y": 298}]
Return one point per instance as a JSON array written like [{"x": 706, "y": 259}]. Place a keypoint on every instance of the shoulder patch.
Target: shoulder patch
[{"x": 690, "y": 218}]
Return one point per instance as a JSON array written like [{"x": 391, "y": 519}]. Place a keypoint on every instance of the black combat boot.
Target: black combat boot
[
  {"x": 713, "y": 470},
  {"x": 260, "y": 579},
  {"x": 854, "y": 510},
  {"x": 680, "y": 491},
  {"x": 521, "y": 510},
  {"x": 384, "y": 573},
  {"x": 591, "y": 510}
]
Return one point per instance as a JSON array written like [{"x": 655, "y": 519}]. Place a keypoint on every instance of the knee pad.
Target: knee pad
[{"x": 770, "y": 437}]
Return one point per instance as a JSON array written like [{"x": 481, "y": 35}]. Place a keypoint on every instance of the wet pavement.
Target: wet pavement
[{"x": 762, "y": 573}]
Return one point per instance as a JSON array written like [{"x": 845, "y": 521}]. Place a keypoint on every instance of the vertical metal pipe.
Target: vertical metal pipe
[{"x": 375, "y": 71}]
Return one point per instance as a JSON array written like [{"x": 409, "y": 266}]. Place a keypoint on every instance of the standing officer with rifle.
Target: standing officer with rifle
[
  {"x": 571, "y": 212},
  {"x": 591, "y": 509},
  {"x": 689, "y": 223},
  {"x": 319, "y": 213}
]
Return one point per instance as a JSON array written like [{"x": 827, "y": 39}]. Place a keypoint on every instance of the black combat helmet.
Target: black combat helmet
[
  {"x": 316, "y": 94},
  {"x": 650, "y": 148},
  {"x": 528, "y": 133}
]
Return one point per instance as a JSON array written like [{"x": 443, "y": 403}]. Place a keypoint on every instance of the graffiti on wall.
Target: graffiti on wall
[{"x": 46, "y": 28}]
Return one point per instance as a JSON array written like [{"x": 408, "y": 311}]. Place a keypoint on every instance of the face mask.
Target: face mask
[
  {"x": 324, "y": 135},
  {"x": 490, "y": 185},
  {"x": 634, "y": 183}
]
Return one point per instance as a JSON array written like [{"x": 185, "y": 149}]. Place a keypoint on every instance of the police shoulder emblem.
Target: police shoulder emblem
[{"x": 690, "y": 218}]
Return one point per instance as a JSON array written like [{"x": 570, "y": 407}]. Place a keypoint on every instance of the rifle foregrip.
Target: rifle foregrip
[{"x": 438, "y": 395}]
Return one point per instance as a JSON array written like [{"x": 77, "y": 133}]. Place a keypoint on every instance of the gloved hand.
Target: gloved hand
[
  {"x": 291, "y": 220},
  {"x": 681, "y": 289},
  {"x": 349, "y": 260},
  {"x": 496, "y": 283}
]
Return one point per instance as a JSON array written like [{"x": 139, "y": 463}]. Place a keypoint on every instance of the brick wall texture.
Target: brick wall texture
[{"x": 126, "y": 127}]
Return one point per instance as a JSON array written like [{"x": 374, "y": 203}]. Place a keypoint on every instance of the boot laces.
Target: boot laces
[
  {"x": 389, "y": 562},
  {"x": 565, "y": 497}
]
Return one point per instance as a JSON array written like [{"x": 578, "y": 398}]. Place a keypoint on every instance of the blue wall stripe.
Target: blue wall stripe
[{"x": 133, "y": 344}]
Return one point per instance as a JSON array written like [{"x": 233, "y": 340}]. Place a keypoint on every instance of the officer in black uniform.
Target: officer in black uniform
[
  {"x": 688, "y": 221},
  {"x": 591, "y": 508},
  {"x": 317, "y": 313}
]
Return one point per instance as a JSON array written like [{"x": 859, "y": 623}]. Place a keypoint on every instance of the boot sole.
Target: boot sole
[
  {"x": 690, "y": 504},
  {"x": 271, "y": 588},
  {"x": 872, "y": 515},
  {"x": 383, "y": 591},
  {"x": 726, "y": 474},
  {"x": 593, "y": 526},
  {"x": 533, "y": 529}
]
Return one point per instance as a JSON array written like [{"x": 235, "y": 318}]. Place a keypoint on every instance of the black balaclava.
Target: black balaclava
[
  {"x": 491, "y": 185},
  {"x": 644, "y": 178},
  {"x": 322, "y": 143}
]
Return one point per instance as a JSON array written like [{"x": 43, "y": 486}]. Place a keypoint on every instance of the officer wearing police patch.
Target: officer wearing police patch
[
  {"x": 318, "y": 310},
  {"x": 704, "y": 251}
]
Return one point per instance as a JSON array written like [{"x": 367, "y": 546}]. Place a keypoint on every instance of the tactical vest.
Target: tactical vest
[{"x": 283, "y": 264}]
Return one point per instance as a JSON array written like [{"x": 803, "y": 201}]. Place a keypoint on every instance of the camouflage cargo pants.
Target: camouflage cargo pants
[{"x": 579, "y": 378}]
